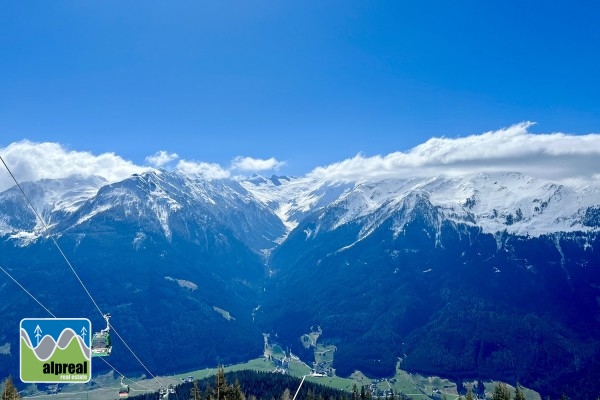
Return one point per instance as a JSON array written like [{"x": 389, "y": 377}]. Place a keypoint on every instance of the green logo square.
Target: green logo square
[{"x": 55, "y": 350}]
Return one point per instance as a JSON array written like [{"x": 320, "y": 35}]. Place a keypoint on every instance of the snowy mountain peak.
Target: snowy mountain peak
[
  {"x": 292, "y": 199},
  {"x": 511, "y": 202},
  {"x": 51, "y": 198},
  {"x": 263, "y": 211}
]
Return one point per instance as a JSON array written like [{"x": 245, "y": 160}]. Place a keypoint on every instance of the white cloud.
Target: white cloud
[
  {"x": 30, "y": 161},
  {"x": 216, "y": 171},
  {"x": 161, "y": 158},
  {"x": 255, "y": 164},
  {"x": 206, "y": 170},
  {"x": 554, "y": 156}
]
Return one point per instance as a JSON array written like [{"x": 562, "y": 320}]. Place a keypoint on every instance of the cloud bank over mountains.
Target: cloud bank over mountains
[
  {"x": 30, "y": 161},
  {"x": 558, "y": 157},
  {"x": 555, "y": 156}
]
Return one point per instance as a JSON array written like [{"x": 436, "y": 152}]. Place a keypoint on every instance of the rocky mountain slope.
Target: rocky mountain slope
[{"x": 492, "y": 275}]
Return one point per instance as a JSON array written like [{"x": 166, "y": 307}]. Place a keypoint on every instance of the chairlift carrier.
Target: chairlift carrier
[
  {"x": 101, "y": 343},
  {"x": 124, "y": 391}
]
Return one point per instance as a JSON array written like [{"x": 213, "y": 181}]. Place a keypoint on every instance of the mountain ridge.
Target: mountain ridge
[
  {"x": 496, "y": 202},
  {"x": 383, "y": 266}
]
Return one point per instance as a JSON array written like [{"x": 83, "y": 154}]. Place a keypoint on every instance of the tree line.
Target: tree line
[{"x": 252, "y": 385}]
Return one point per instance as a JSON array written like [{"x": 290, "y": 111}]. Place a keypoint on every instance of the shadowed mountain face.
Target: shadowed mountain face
[
  {"x": 447, "y": 299},
  {"x": 492, "y": 276}
]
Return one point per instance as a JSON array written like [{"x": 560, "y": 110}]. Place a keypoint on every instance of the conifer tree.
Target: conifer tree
[
  {"x": 286, "y": 395},
  {"x": 10, "y": 392},
  {"x": 501, "y": 392},
  {"x": 236, "y": 392},
  {"x": 208, "y": 392},
  {"x": 469, "y": 395},
  {"x": 195, "y": 391},
  {"x": 221, "y": 390},
  {"x": 519, "y": 395}
]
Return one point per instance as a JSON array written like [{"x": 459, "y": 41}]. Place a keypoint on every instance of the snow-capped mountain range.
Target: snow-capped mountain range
[
  {"x": 498, "y": 202},
  {"x": 511, "y": 202},
  {"x": 387, "y": 268}
]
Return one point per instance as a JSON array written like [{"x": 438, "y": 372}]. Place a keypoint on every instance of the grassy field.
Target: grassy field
[
  {"x": 277, "y": 351},
  {"x": 225, "y": 314},
  {"x": 336, "y": 382},
  {"x": 324, "y": 354},
  {"x": 416, "y": 386},
  {"x": 420, "y": 387}
]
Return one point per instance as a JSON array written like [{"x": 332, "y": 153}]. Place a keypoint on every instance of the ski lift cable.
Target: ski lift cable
[
  {"x": 46, "y": 229},
  {"x": 136, "y": 357},
  {"x": 54, "y": 316},
  {"x": 27, "y": 291},
  {"x": 124, "y": 377},
  {"x": 299, "y": 386}
]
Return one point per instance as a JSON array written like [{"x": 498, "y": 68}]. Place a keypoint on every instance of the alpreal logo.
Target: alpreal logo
[{"x": 55, "y": 350}]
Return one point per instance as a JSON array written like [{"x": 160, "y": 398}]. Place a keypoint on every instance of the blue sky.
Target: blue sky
[{"x": 309, "y": 83}]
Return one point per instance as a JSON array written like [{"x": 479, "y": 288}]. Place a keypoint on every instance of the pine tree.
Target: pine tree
[
  {"x": 286, "y": 395},
  {"x": 221, "y": 390},
  {"x": 195, "y": 391},
  {"x": 519, "y": 395},
  {"x": 10, "y": 392},
  {"x": 235, "y": 392},
  {"x": 501, "y": 392},
  {"x": 469, "y": 395},
  {"x": 208, "y": 392}
]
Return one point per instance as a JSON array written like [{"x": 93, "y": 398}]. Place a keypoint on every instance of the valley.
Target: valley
[
  {"x": 275, "y": 360},
  {"x": 491, "y": 276}
]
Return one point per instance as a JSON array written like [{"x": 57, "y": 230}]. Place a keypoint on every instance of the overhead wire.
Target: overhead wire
[
  {"x": 136, "y": 357},
  {"x": 123, "y": 376},
  {"x": 46, "y": 230},
  {"x": 54, "y": 316},
  {"x": 27, "y": 291}
]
